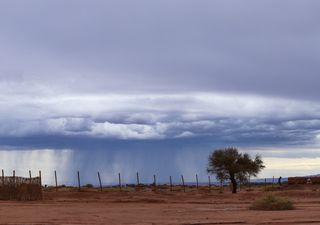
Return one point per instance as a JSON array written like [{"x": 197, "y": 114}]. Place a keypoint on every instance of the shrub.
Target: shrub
[
  {"x": 271, "y": 202},
  {"x": 88, "y": 186}
]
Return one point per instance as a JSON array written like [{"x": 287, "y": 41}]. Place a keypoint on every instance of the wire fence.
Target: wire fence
[{"x": 13, "y": 180}]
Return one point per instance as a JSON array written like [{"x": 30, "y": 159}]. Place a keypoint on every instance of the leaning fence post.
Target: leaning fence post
[
  {"x": 56, "y": 179},
  {"x": 197, "y": 181},
  {"x": 155, "y": 182},
  {"x": 209, "y": 179},
  {"x": 100, "y": 181},
  {"x": 184, "y": 187},
  {"x": 79, "y": 184},
  {"x": 30, "y": 176},
  {"x": 170, "y": 183},
  {"x": 120, "y": 182}
]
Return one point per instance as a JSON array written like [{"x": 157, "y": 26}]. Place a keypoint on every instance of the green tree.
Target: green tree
[{"x": 230, "y": 164}]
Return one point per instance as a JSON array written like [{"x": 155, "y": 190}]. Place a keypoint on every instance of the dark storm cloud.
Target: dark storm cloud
[
  {"x": 257, "y": 47},
  {"x": 239, "y": 72}
]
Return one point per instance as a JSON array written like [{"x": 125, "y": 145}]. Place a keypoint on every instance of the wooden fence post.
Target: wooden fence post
[
  {"x": 170, "y": 183},
  {"x": 272, "y": 182},
  {"x": 40, "y": 178},
  {"x": 138, "y": 179},
  {"x": 209, "y": 179},
  {"x": 100, "y": 181},
  {"x": 183, "y": 185},
  {"x": 120, "y": 182},
  {"x": 56, "y": 179},
  {"x": 197, "y": 181},
  {"x": 30, "y": 176},
  {"x": 154, "y": 182},
  {"x": 79, "y": 184},
  {"x": 265, "y": 184},
  {"x": 14, "y": 176},
  {"x": 2, "y": 176}
]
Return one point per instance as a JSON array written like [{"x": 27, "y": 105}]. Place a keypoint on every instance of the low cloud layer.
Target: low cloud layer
[{"x": 227, "y": 118}]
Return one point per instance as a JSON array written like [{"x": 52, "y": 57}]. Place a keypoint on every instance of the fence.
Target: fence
[
  {"x": 180, "y": 184},
  {"x": 20, "y": 188},
  {"x": 138, "y": 185},
  {"x": 13, "y": 180}
]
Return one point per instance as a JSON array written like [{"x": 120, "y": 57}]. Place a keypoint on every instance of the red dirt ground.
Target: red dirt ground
[{"x": 68, "y": 206}]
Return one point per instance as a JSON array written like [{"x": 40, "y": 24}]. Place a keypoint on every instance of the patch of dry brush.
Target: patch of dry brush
[{"x": 271, "y": 202}]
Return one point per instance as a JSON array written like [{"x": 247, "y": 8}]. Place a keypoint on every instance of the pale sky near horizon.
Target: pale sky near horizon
[{"x": 160, "y": 81}]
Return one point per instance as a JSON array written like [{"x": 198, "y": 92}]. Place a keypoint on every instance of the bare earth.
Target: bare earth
[{"x": 163, "y": 207}]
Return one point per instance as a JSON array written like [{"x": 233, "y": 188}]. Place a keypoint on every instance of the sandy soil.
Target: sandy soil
[{"x": 164, "y": 207}]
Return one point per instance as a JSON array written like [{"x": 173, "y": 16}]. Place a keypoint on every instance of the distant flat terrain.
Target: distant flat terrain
[{"x": 68, "y": 206}]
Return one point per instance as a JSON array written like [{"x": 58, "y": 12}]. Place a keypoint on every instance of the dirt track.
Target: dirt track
[{"x": 147, "y": 207}]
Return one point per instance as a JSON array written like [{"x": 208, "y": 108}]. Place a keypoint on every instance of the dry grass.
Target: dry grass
[
  {"x": 271, "y": 202},
  {"x": 21, "y": 192}
]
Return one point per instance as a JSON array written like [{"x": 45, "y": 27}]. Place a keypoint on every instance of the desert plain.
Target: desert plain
[{"x": 147, "y": 206}]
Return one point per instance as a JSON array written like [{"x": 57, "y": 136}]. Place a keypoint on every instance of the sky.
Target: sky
[{"x": 155, "y": 86}]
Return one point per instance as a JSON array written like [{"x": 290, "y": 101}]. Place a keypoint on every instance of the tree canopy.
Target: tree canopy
[{"x": 230, "y": 164}]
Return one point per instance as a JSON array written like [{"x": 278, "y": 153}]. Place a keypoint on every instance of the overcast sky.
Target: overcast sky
[{"x": 176, "y": 74}]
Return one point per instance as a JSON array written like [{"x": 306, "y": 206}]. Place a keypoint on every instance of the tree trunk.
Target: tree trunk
[{"x": 234, "y": 184}]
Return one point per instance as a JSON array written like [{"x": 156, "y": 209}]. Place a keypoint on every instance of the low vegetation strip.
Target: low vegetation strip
[
  {"x": 19, "y": 188},
  {"x": 271, "y": 203},
  {"x": 21, "y": 192}
]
